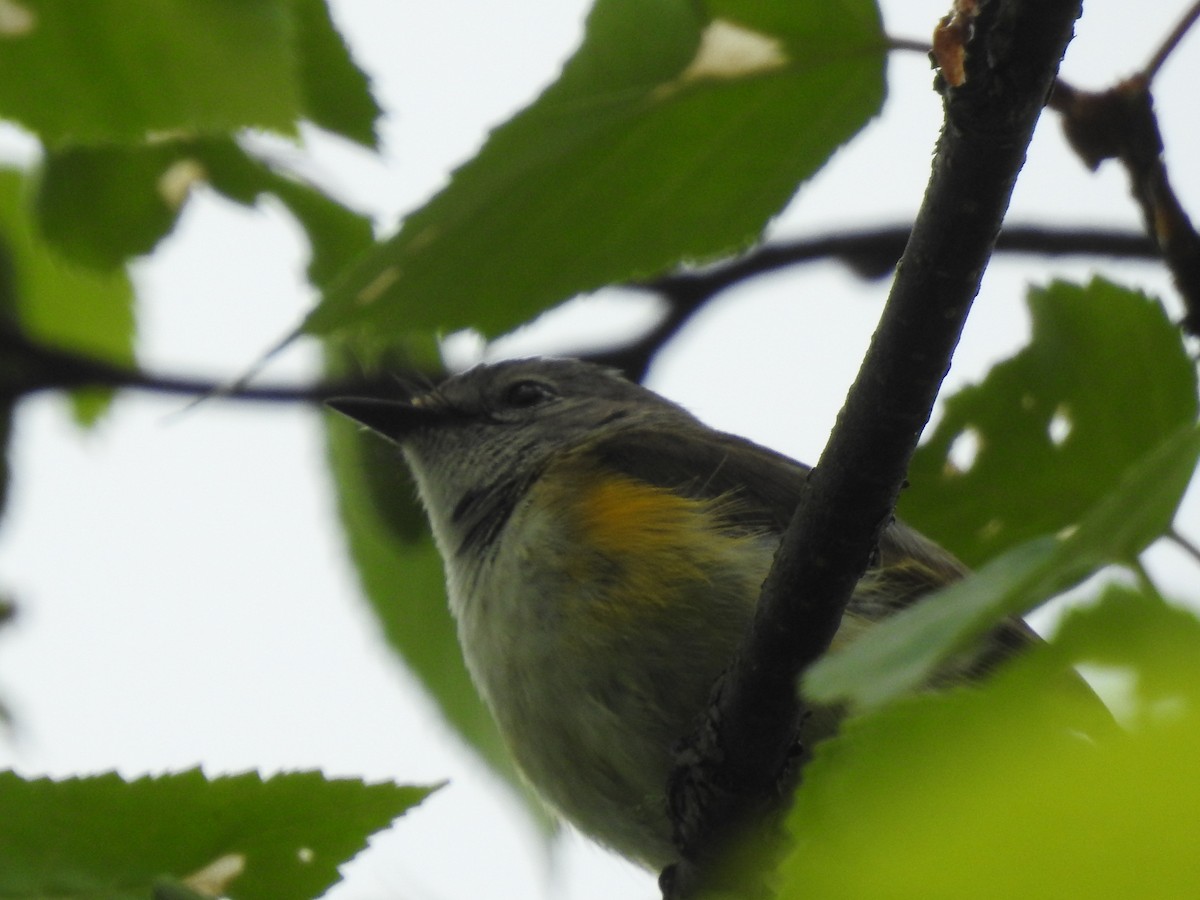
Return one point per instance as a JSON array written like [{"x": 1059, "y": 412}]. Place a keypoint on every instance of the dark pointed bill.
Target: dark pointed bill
[{"x": 395, "y": 419}]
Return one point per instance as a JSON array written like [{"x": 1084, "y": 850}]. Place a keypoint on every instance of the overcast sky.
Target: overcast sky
[{"x": 184, "y": 595}]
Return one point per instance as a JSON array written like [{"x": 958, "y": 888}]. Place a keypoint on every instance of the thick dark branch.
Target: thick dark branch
[{"x": 1010, "y": 59}]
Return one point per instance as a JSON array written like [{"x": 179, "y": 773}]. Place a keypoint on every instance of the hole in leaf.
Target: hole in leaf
[
  {"x": 1116, "y": 686},
  {"x": 213, "y": 880},
  {"x": 963, "y": 452},
  {"x": 1060, "y": 426}
]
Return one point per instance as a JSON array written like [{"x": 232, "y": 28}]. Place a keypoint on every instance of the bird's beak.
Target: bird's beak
[{"x": 394, "y": 419}]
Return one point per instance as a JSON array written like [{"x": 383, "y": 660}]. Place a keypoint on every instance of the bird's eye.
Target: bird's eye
[{"x": 523, "y": 394}]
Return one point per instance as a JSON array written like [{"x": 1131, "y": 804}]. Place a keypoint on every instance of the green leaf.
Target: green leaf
[
  {"x": 991, "y": 792},
  {"x": 337, "y": 235},
  {"x": 401, "y": 575},
  {"x": 337, "y": 95},
  {"x": 8, "y": 319},
  {"x": 1104, "y": 379},
  {"x": 238, "y": 836},
  {"x": 641, "y": 155},
  {"x": 99, "y": 71},
  {"x": 63, "y": 304},
  {"x": 102, "y": 205},
  {"x": 900, "y": 654}
]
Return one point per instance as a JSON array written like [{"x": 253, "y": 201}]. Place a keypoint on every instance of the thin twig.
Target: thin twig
[
  {"x": 1171, "y": 42},
  {"x": 32, "y": 367},
  {"x": 1184, "y": 544},
  {"x": 911, "y": 45}
]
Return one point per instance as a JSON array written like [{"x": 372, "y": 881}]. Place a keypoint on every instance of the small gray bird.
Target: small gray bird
[{"x": 604, "y": 552}]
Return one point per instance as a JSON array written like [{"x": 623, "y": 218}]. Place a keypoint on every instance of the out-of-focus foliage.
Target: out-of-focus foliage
[
  {"x": 1005, "y": 790},
  {"x": 672, "y": 136},
  {"x": 675, "y": 133},
  {"x": 239, "y": 836}
]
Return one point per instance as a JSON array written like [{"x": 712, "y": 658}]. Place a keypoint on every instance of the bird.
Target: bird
[{"x": 603, "y": 553}]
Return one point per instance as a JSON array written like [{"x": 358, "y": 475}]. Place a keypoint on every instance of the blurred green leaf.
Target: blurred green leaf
[
  {"x": 1104, "y": 379},
  {"x": 337, "y": 95},
  {"x": 401, "y": 575},
  {"x": 991, "y": 792},
  {"x": 8, "y": 319},
  {"x": 900, "y": 654},
  {"x": 101, "y": 71},
  {"x": 61, "y": 303},
  {"x": 237, "y": 836},
  {"x": 644, "y": 153},
  {"x": 102, "y": 205},
  {"x": 337, "y": 235}
]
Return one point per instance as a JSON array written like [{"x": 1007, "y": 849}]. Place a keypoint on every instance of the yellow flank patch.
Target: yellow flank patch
[
  {"x": 620, "y": 515},
  {"x": 648, "y": 548}
]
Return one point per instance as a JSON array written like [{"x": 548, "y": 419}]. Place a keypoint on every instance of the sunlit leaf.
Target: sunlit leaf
[{"x": 994, "y": 792}]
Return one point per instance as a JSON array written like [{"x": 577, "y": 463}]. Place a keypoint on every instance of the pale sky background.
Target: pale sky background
[{"x": 183, "y": 589}]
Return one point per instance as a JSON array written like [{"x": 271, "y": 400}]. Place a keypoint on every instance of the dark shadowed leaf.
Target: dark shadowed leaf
[
  {"x": 1104, "y": 379},
  {"x": 337, "y": 95},
  {"x": 102, "y": 205},
  {"x": 675, "y": 133},
  {"x": 59, "y": 302},
  {"x": 237, "y": 836}
]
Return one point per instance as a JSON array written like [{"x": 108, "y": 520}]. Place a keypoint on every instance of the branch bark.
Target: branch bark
[
  {"x": 1010, "y": 57},
  {"x": 869, "y": 253},
  {"x": 1120, "y": 123},
  {"x": 30, "y": 366}
]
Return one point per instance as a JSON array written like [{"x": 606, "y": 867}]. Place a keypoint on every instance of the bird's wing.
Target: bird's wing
[
  {"x": 709, "y": 464},
  {"x": 766, "y": 488}
]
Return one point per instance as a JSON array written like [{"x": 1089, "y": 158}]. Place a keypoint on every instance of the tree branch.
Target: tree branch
[
  {"x": 732, "y": 771},
  {"x": 869, "y": 253},
  {"x": 1120, "y": 123},
  {"x": 30, "y": 367},
  {"x": 1171, "y": 42}
]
